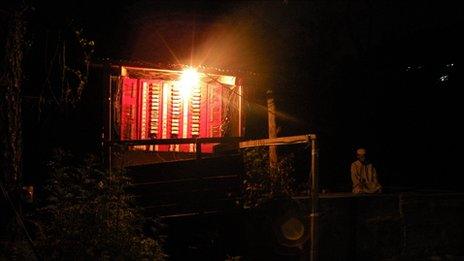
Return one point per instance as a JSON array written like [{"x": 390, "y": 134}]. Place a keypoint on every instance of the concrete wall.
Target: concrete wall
[{"x": 392, "y": 227}]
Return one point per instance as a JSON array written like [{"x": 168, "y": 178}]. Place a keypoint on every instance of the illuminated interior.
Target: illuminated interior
[{"x": 167, "y": 104}]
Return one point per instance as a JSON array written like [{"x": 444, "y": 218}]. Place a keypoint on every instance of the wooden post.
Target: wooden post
[
  {"x": 272, "y": 130},
  {"x": 314, "y": 196},
  {"x": 107, "y": 117},
  {"x": 199, "y": 176},
  {"x": 197, "y": 150}
]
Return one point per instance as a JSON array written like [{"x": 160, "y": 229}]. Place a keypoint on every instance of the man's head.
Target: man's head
[{"x": 361, "y": 154}]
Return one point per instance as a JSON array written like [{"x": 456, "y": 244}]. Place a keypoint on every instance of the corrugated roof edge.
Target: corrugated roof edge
[{"x": 167, "y": 66}]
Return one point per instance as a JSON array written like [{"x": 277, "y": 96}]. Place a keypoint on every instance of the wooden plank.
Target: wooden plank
[
  {"x": 276, "y": 141},
  {"x": 242, "y": 144},
  {"x": 179, "y": 141},
  {"x": 139, "y": 157},
  {"x": 187, "y": 186},
  {"x": 173, "y": 171},
  {"x": 150, "y": 189},
  {"x": 209, "y": 206},
  {"x": 194, "y": 197}
]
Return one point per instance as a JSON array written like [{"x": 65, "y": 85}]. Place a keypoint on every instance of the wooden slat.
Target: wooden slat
[
  {"x": 171, "y": 171},
  {"x": 197, "y": 197},
  {"x": 158, "y": 188},
  {"x": 180, "y": 141},
  {"x": 209, "y": 184},
  {"x": 242, "y": 144},
  {"x": 189, "y": 209},
  {"x": 276, "y": 141}
]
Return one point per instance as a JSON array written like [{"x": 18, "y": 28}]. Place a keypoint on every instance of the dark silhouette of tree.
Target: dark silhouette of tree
[
  {"x": 11, "y": 77},
  {"x": 44, "y": 72}
]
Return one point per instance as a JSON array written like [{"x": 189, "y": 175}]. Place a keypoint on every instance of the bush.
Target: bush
[
  {"x": 260, "y": 183},
  {"x": 87, "y": 215}
]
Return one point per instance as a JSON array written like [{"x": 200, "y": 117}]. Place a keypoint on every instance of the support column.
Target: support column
[
  {"x": 272, "y": 130},
  {"x": 314, "y": 199}
]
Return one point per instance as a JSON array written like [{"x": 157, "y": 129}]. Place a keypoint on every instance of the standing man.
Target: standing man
[{"x": 363, "y": 174}]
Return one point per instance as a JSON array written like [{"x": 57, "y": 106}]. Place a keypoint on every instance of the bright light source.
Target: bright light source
[
  {"x": 229, "y": 80},
  {"x": 189, "y": 79}
]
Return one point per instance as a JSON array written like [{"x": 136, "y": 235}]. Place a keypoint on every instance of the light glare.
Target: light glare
[{"x": 189, "y": 79}]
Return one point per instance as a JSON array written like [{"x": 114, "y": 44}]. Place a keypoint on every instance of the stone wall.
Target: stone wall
[{"x": 392, "y": 227}]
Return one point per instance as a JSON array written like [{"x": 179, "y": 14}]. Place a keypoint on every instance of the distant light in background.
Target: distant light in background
[
  {"x": 445, "y": 73},
  {"x": 189, "y": 79},
  {"x": 416, "y": 67},
  {"x": 444, "y": 78}
]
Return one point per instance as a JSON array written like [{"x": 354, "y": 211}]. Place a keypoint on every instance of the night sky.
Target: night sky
[{"x": 357, "y": 73}]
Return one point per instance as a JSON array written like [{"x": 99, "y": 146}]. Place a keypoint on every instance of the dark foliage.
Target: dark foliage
[
  {"x": 88, "y": 215},
  {"x": 11, "y": 76},
  {"x": 262, "y": 183}
]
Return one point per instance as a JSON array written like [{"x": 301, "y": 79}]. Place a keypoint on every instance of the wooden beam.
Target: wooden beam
[
  {"x": 276, "y": 141},
  {"x": 289, "y": 140},
  {"x": 180, "y": 141}
]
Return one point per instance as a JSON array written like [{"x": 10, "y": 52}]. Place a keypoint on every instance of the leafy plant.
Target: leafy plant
[
  {"x": 261, "y": 182},
  {"x": 88, "y": 215}
]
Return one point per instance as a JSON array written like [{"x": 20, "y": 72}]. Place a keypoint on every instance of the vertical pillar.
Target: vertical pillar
[
  {"x": 314, "y": 196},
  {"x": 272, "y": 130},
  {"x": 107, "y": 126},
  {"x": 200, "y": 180}
]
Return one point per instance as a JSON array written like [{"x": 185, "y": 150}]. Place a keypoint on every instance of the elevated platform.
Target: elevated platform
[{"x": 187, "y": 187}]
